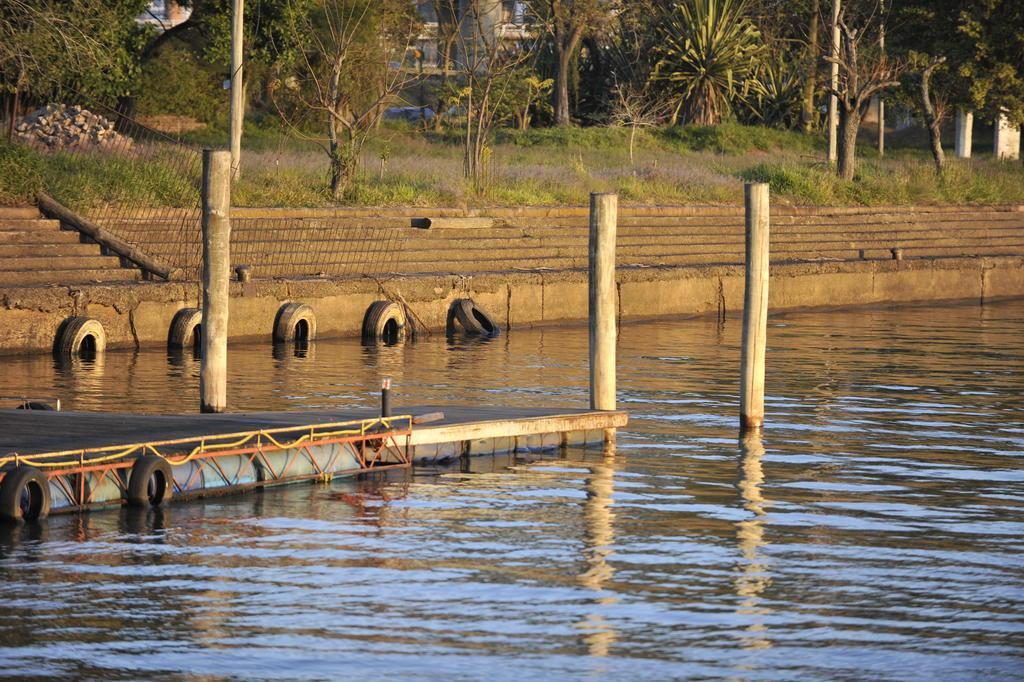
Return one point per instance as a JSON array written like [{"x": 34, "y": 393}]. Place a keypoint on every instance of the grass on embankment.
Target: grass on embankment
[{"x": 538, "y": 167}]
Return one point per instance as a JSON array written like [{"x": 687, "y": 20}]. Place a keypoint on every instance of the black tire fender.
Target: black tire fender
[
  {"x": 74, "y": 331},
  {"x": 287, "y": 321},
  {"x": 475, "y": 319},
  {"x": 150, "y": 482},
  {"x": 24, "y": 495},
  {"x": 377, "y": 318},
  {"x": 187, "y": 323},
  {"x": 36, "y": 405}
]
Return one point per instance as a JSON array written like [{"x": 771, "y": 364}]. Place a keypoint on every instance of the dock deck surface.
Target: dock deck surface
[{"x": 28, "y": 432}]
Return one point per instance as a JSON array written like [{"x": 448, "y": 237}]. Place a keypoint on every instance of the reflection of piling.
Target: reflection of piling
[
  {"x": 603, "y": 224},
  {"x": 754, "y": 578},
  {"x": 216, "y": 278},
  {"x": 598, "y": 540},
  {"x": 755, "y": 307}
]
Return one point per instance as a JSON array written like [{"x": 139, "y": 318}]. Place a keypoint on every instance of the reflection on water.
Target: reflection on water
[
  {"x": 874, "y": 530},
  {"x": 753, "y": 578}
]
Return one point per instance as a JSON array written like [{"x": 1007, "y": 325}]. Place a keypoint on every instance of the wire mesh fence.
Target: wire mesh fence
[
  {"x": 143, "y": 186},
  {"x": 314, "y": 247},
  {"x": 121, "y": 175}
]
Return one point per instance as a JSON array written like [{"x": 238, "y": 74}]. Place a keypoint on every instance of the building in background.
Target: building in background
[
  {"x": 164, "y": 14},
  {"x": 449, "y": 26}
]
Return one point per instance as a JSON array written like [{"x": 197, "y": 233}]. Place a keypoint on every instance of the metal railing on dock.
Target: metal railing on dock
[{"x": 313, "y": 451}]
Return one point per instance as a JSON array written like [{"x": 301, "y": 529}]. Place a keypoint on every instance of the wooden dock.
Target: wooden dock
[{"x": 72, "y": 461}]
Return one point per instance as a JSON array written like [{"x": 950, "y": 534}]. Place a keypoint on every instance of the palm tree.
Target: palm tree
[{"x": 708, "y": 57}]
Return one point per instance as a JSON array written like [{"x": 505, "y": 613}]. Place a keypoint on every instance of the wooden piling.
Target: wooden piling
[
  {"x": 603, "y": 301},
  {"x": 755, "y": 307},
  {"x": 216, "y": 278}
]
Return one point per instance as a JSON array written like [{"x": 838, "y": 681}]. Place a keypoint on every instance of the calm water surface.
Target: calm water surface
[{"x": 877, "y": 532}]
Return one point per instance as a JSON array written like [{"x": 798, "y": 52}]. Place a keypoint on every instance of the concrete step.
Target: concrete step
[
  {"x": 17, "y": 224},
  {"x": 49, "y": 249},
  {"x": 19, "y": 212},
  {"x": 51, "y": 263},
  {"x": 737, "y": 229},
  {"x": 425, "y": 251},
  {"x": 626, "y": 260},
  {"x": 39, "y": 237},
  {"x": 568, "y": 240},
  {"x": 780, "y": 218},
  {"x": 33, "y": 277}
]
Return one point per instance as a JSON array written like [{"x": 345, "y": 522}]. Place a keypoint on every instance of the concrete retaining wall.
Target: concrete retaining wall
[{"x": 139, "y": 315}]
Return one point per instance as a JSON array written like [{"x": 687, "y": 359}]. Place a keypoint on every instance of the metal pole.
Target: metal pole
[
  {"x": 833, "y": 101},
  {"x": 755, "y": 307},
  {"x": 237, "y": 86},
  {"x": 881, "y": 102},
  {"x": 385, "y": 397},
  {"x": 213, "y": 386},
  {"x": 603, "y": 226}
]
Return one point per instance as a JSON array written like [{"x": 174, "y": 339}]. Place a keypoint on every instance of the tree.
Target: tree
[
  {"x": 567, "y": 21},
  {"x": 89, "y": 45},
  {"x": 635, "y": 107},
  {"x": 526, "y": 94},
  {"x": 911, "y": 27},
  {"x": 488, "y": 68},
  {"x": 777, "y": 99},
  {"x": 809, "y": 114},
  {"x": 864, "y": 71},
  {"x": 934, "y": 109},
  {"x": 993, "y": 67},
  {"x": 708, "y": 55},
  {"x": 348, "y": 64}
]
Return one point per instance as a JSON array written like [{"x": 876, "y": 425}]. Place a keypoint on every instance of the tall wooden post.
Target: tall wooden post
[
  {"x": 755, "y": 307},
  {"x": 213, "y": 382},
  {"x": 237, "y": 86},
  {"x": 603, "y": 225},
  {"x": 833, "y": 101}
]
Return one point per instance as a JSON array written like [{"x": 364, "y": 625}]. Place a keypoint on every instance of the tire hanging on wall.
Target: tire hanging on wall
[
  {"x": 74, "y": 332},
  {"x": 384, "y": 321},
  {"x": 24, "y": 495},
  {"x": 150, "y": 482},
  {"x": 473, "y": 319},
  {"x": 186, "y": 329},
  {"x": 294, "y": 322}
]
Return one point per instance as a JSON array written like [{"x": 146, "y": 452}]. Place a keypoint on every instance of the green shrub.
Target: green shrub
[
  {"x": 176, "y": 83},
  {"x": 733, "y": 138}
]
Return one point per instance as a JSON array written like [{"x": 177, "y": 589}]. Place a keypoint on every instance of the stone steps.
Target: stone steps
[
  {"x": 550, "y": 239},
  {"x": 735, "y": 252},
  {"x": 67, "y": 276},
  {"x": 563, "y": 263},
  {"x": 735, "y": 237},
  {"x": 57, "y": 263},
  {"x": 23, "y": 224},
  {"x": 19, "y": 212},
  {"x": 40, "y": 237},
  {"x": 36, "y": 251},
  {"x": 781, "y": 220},
  {"x": 50, "y": 249}
]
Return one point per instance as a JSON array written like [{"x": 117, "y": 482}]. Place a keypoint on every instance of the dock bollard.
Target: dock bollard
[
  {"x": 213, "y": 382},
  {"x": 603, "y": 225},
  {"x": 755, "y": 307},
  {"x": 385, "y": 397}
]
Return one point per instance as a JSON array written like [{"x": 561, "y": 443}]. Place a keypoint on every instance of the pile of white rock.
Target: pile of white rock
[{"x": 57, "y": 126}]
